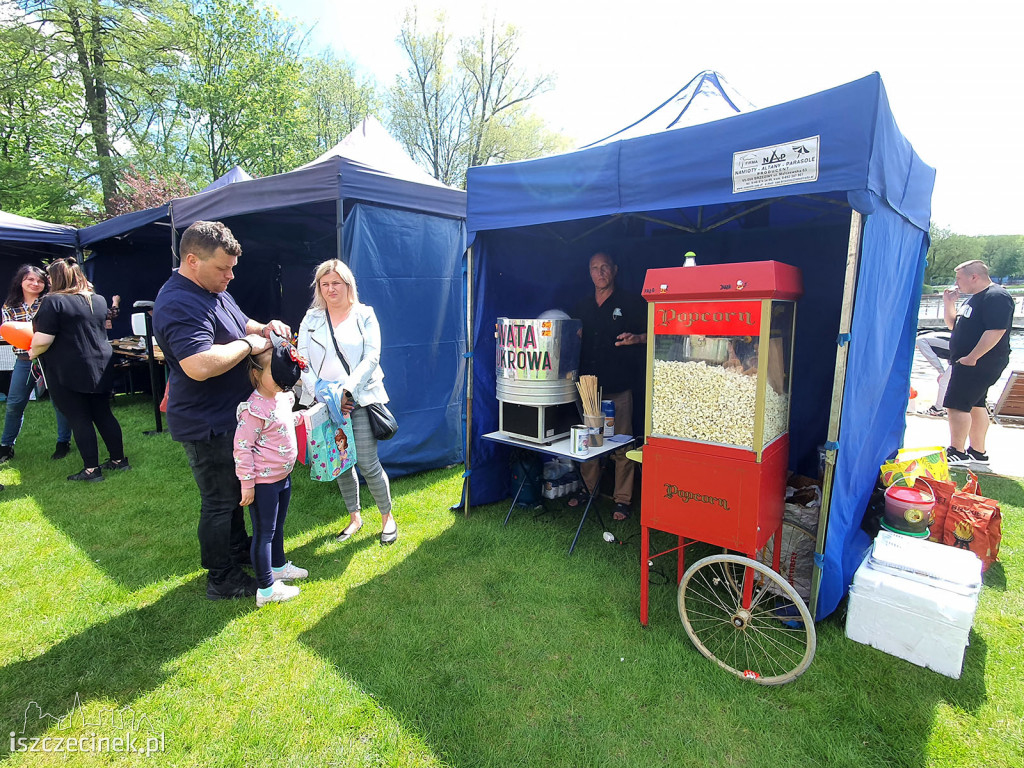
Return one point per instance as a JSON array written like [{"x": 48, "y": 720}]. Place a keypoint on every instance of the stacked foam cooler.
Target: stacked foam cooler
[{"x": 916, "y": 600}]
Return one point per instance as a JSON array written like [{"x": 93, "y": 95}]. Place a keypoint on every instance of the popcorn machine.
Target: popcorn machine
[{"x": 719, "y": 368}]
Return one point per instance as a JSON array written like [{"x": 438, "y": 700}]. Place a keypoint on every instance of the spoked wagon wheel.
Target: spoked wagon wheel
[
  {"x": 797, "y": 544},
  {"x": 768, "y": 638}
]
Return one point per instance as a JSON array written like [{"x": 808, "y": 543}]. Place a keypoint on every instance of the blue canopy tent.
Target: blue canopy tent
[
  {"x": 826, "y": 183},
  {"x": 403, "y": 234},
  {"x": 30, "y": 241},
  {"x": 131, "y": 255}
]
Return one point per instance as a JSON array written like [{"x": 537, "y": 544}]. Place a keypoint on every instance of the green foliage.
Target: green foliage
[
  {"x": 174, "y": 90},
  {"x": 333, "y": 100},
  {"x": 115, "y": 50},
  {"x": 31, "y": 87},
  {"x": 239, "y": 83},
  {"x": 454, "y": 110},
  {"x": 1004, "y": 254},
  {"x": 427, "y": 111}
]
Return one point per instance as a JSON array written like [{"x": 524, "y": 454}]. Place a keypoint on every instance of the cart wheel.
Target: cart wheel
[
  {"x": 771, "y": 641},
  {"x": 797, "y": 542}
]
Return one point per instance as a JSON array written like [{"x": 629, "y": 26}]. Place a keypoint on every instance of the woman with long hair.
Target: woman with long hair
[
  {"x": 78, "y": 364},
  {"x": 341, "y": 340},
  {"x": 28, "y": 286}
]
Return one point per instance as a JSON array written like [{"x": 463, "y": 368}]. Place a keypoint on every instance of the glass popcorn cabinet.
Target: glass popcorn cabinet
[{"x": 719, "y": 377}]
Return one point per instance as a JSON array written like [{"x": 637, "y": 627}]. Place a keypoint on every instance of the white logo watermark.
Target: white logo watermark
[{"x": 101, "y": 730}]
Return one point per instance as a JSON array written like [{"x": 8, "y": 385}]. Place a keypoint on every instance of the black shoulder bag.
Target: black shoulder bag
[{"x": 382, "y": 420}]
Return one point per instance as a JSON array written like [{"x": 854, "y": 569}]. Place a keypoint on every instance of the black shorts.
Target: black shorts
[{"x": 969, "y": 385}]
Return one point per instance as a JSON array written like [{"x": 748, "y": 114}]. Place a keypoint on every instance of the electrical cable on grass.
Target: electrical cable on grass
[{"x": 611, "y": 538}]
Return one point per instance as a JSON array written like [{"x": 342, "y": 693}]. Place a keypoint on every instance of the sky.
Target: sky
[{"x": 953, "y": 71}]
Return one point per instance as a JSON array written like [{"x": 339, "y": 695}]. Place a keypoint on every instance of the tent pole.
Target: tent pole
[
  {"x": 469, "y": 376},
  {"x": 338, "y": 221},
  {"x": 838, "y": 387}
]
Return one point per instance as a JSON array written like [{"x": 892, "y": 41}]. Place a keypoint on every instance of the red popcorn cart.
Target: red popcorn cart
[{"x": 719, "y": 366}]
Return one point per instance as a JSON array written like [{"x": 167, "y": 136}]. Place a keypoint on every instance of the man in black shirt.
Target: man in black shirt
[
  {"x": 614, "y": 323},
  {"x": 979, "y": 350},
  {"x": 206, "y": 340}
]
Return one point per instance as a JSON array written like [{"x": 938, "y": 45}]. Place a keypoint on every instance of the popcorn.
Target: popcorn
[{"x": 696, "y": 401}]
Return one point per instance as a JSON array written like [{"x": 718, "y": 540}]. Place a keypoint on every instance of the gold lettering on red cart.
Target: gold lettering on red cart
[{"x": 673, "y": 491}]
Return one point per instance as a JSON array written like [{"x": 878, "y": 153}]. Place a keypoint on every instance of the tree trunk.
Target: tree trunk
[{"x": 92, "y": 70}]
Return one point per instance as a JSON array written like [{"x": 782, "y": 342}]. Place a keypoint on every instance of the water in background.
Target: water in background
[{"x": 923, "y": 376}]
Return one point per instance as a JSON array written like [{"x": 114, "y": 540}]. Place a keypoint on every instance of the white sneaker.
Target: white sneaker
[
  {"x": 281, "y": 593},
  {"x": 289, "y": 572}
]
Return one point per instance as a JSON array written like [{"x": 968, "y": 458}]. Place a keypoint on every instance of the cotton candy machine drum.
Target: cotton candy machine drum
[{"x": 536, "y": 366}]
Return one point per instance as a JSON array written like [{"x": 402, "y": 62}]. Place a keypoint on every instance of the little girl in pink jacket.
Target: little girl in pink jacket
[{"x": 265, "y": 450}]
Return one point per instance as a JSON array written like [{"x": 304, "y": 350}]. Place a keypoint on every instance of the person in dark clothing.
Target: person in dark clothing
[
  {"x": 614, "y": 323},
  {"x": 979, "y": 351},
  {"x": 23, "y": 300},
  {"x": 206, "y": 340},
  {"x": 78, "y": 365}
]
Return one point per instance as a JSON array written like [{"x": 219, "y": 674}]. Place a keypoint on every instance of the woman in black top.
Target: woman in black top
[{"x": 78, "y": 365}]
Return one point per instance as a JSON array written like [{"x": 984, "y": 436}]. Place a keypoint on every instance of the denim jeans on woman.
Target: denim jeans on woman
[{"x": 17, "y": 398}]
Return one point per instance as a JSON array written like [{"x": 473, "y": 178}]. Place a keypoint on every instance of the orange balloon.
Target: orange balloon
[{"x": 18, "y": 333}]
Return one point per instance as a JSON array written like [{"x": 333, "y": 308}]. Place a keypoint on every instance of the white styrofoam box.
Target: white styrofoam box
[
  {"x": 958, "y": 570},
  {"x": 139, "y": 323},
  {"x": 922, "y": 623}
]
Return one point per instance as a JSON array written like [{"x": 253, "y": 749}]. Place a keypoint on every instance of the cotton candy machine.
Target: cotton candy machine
[{"x": 536, "y": 366}]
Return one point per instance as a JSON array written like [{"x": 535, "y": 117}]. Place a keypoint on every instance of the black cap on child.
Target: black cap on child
[{"x": 285, "y": 363}]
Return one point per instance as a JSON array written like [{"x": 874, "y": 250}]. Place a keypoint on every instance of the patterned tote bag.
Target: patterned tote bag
[{"x": 330, "y": 447}]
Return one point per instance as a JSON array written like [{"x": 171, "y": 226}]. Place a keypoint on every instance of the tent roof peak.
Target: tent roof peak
[
  {"x": 369, "y": 144},
  {"x": 707, "y": 97}
]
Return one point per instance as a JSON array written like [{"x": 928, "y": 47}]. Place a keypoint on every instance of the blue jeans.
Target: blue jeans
[{"x": 17, "y": 398}]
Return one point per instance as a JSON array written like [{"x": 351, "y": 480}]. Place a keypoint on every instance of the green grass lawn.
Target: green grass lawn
[{"x": 464, "y": 644}]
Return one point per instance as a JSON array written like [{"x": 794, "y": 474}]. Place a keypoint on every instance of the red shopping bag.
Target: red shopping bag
[
  {"x": 301, "y": 440},
  {"x": 975, "y": 523}
]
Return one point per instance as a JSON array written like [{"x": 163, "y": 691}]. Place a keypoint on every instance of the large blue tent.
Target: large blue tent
[
  {"x": 364, "y": 201},
  {"x": 826, "y": 183},
  {"x": 131, "y": 255},
  {"x": 403, "y": 234},
  {"x": 21, "y": 229},
  {"x": 30, "y": 241}
]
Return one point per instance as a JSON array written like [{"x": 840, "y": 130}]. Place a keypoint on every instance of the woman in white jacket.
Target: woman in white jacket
[{"x": 336, "y": 312}]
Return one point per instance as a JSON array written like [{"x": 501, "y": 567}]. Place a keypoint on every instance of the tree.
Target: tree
[
  {"x": 1004, "y": 255},
  {"x": 141, "y": 191},
  {"x": 41, "y": 165},
  {"x": 428, "y": 105},
  {"x": 452, "y": 111},
  {"x": 240, "y": 84},
  {"x": 947, "y": 250},
  {"x": 112, "y": 47},
  {"x": 333, "y": 99},
  {"x": 498, "y": 94}
]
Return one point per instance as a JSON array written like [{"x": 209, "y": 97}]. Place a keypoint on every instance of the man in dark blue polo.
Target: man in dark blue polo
[{"x": 206, "y": 340}]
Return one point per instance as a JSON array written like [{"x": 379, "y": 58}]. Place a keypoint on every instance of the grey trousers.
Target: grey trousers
[{"x": 369, "y": 467}]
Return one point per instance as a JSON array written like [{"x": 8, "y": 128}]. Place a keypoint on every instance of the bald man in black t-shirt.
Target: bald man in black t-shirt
[{"x": 979, "y": 350}]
